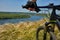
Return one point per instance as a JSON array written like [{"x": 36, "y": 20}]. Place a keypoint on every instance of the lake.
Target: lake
[{"x": 32, "y": 18}]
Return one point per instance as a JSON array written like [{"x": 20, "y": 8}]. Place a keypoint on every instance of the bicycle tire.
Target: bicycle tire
[
  {"x": 37, "y": 32},
  {"x": 44, "y": 38}
]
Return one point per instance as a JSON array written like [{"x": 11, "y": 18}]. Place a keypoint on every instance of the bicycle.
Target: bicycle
[{"x": 54, "y": 20}]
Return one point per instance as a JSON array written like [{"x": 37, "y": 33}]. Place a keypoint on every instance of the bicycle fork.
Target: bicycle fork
[{"x": 49, "y": 29}]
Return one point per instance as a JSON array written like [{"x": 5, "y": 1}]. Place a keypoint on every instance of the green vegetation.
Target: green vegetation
[
  {"x": 11, "y": 15},
  {"x": 8, "y": 15}
]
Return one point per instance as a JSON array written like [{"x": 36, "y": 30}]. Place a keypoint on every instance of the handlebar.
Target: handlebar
[
  {"x": 51, "y": 7},
  {"x": 34, "y": 5}
]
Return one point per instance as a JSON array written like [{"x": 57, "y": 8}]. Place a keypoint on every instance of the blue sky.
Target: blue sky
[{"x": 15, "y": 5}]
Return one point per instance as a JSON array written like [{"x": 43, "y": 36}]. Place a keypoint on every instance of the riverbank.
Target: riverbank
[{"x": 20, "y": 31}]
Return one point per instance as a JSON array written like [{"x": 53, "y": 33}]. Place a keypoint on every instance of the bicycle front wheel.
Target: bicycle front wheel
[{"x": 41, "y": 34}]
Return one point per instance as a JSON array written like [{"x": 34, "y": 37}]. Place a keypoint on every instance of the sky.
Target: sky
[{"x": 16, "y": 5}]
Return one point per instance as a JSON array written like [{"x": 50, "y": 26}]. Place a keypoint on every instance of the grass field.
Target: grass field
[
  {"x": 21, "y": 31},
  {"x": 7, "y": 15}
]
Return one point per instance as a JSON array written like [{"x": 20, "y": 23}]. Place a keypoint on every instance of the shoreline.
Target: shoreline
[{"x": 38, "y": 21}]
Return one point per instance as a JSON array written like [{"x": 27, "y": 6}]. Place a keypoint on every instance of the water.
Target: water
[{"x": 32, "y": 18}]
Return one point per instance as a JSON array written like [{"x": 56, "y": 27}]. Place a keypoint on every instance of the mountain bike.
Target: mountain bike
[{"x": 48, "y": 27}]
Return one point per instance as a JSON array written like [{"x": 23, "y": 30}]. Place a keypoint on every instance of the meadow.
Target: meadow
[
  {"x": 12, "y": 15},
  {"x": 22, "y": 30}
]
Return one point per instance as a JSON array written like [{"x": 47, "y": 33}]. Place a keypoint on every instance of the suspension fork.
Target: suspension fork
[
  {"x": 50, "y": 26},
  {"x": 45, "y": 33},
  {"x": 53, "y": 26}
]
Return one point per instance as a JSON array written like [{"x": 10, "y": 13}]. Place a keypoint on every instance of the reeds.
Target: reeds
[{"x": 20, "y": 31}]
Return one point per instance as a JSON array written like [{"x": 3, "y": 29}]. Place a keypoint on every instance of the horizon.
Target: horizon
[{"x": 16, "y": 5}]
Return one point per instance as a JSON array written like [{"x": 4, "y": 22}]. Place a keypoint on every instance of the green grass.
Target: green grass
[{"x": 13, "y": 16}]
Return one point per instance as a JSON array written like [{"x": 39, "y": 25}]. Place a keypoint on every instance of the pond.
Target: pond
[{"x": 32, "y": 18}]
